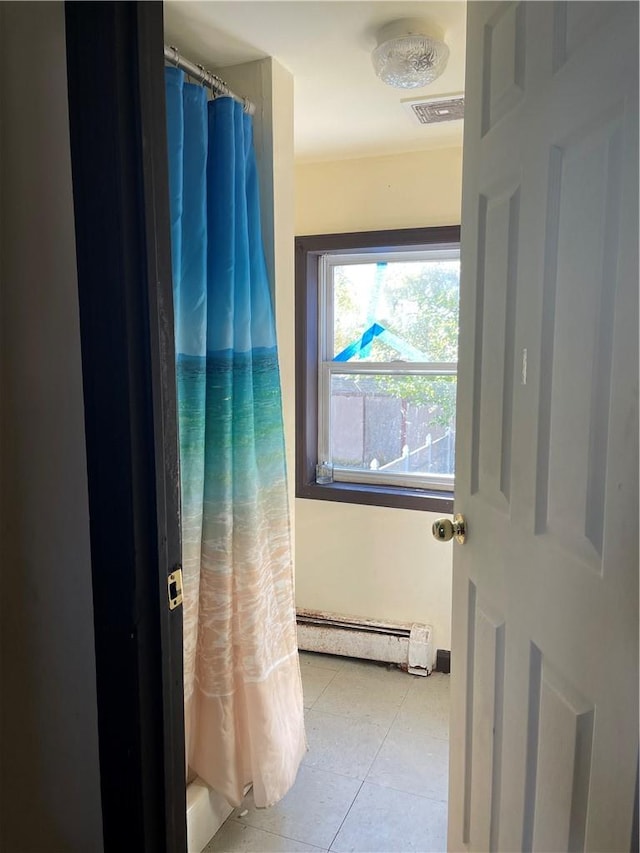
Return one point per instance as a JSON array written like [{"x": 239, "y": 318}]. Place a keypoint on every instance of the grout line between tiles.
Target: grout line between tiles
[
  {"x": 246, "y": 820},
  {"x": 274, "y": 834},
  {"x": 384, "y": 739},
  {"x": 367, "y": 773},
  {"x": 427, "y": 735},
  {"x": 334, "y": 772},
  {"x": 333, "y": 840},
  {"x": 346, "y": 716},
  {"x": 311, "y": 665},
  {"x": 321, "y": 694},
  {"x": 390, "y": 787},
  {"x": 408, "y": 793}
]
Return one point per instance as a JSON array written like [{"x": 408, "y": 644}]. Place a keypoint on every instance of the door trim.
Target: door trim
[{"x": 121, "y": 200}]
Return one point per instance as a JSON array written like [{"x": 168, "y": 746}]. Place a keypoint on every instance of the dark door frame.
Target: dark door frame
[{"x": 121, "y": 200}]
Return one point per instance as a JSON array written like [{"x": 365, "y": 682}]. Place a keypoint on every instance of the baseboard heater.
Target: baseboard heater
[{"x": 409, "y": 645}]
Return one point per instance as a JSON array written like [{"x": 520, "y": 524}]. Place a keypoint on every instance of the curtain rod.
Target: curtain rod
[{"x": 206, "y": 78}]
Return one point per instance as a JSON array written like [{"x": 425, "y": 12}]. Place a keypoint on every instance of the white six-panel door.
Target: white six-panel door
[{"x": 544, "y": 737}]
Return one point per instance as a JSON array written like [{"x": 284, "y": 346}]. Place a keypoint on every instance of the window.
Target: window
[{"x": 377, "y": 328}]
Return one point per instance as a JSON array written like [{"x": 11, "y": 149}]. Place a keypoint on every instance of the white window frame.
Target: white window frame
[{"x": 327, "y": 366}]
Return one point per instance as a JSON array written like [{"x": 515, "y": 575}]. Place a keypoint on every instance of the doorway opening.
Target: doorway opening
[{"x": 370, "y": 559}]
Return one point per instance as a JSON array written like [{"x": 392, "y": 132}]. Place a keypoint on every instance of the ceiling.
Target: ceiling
[{"x": 341, "y": 109}]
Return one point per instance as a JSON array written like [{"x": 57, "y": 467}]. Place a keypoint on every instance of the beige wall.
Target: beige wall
[
  {"x": 373, "y": 561},
  {"x": 418, "y": 189},
  {"x": 49, "y": 784}
]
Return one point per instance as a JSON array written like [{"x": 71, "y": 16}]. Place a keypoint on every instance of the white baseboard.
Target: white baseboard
[{"x": 409, "y": 645}]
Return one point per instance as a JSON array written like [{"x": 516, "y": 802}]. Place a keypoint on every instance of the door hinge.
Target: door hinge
[{"x": 174, "y": 588}]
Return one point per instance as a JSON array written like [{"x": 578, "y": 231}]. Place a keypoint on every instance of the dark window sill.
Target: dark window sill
[{"x": 396, "y": 497}]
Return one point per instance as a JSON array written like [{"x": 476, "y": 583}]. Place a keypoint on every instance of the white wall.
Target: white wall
[
  {"x": 50, "y": 786},
  {"x": 374, "y": 561}
]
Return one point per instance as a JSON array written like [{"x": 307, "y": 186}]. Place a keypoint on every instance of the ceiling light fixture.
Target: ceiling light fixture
[{"x": 406, "y": 57}]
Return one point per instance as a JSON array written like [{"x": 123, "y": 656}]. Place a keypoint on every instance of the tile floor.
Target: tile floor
[{"x": 375, "y": 777}]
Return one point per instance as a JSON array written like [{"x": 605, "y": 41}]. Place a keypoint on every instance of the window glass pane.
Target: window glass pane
[
  {"x": 393, "y": 424},
  {"x": 396, "y": 311}
]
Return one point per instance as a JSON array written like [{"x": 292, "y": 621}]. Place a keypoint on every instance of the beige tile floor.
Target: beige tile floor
[{"x": 375, "y": 777}]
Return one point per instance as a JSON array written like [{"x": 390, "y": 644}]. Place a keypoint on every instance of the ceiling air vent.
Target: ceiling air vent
[{"x": 435, "y": 110}]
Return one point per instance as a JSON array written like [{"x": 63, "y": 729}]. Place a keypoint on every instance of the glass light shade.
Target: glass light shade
[{"x": 410, "y": 61}]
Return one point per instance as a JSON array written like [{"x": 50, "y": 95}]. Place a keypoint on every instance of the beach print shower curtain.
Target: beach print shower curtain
[{"x": 243, "y": 695}]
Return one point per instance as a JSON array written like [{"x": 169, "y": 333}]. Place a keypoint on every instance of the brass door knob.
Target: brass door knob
[{"x": 444, "y": 529}]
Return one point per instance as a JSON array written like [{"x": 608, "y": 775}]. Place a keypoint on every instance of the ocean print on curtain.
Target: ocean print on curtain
[{"x": 243, "y": 693}]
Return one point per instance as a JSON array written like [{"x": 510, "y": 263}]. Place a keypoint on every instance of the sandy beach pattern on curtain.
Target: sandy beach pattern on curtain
[{"x": 235, "y": 515}]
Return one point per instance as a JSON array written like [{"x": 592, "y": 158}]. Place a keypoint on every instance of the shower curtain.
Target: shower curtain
[{"x": 243, "y": 695}]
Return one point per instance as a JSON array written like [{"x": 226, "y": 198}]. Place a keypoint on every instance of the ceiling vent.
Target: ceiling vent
[{"x": 436, "y": 110}]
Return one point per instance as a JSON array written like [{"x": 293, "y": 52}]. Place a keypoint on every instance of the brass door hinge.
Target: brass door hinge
[{"x": 174, "y": 588}]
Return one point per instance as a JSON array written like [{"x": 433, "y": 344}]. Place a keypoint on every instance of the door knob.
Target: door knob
[{"x": 443, "y": 529}]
